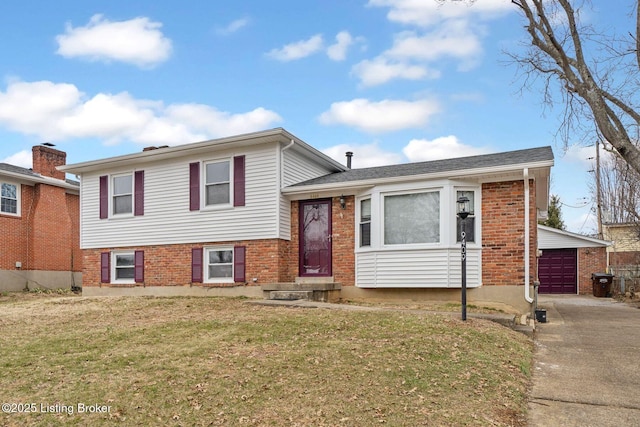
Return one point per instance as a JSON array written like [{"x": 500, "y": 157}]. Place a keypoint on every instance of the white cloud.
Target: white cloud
[
  {"x": 383, "y": 116},
  {"x": 445, "y": 30},
  {"x": 138, "y": 41},
  {"x": 233, "y": 26},
  {"x": 364, "y": 155},
  {"x": 430, "y": 12},
  {"x": 381, "y": 70},
  {"x": 60, "y": 111},
  {"x": 446, "y": 147},
  {"x": 338, "y": 51},
  {"x": 452, "y": 39},
  {"x": 22, "y": 158},
  {"x": 298, "y": 50}
]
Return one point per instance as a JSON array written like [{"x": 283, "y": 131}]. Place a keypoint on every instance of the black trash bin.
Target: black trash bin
[{"x": 601, "y": 284}]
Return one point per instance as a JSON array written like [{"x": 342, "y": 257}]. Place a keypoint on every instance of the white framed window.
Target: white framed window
[
  {"x": 217, "y": 183},
  {"x": 10, "y": 198},
  {"x": 123, "y": 267},
  {"x": 218, "y": 264},
  {"x": 122, "y": 195},
  {"x": 365, "y": 222},
  {"x": 412, "y": 218}
]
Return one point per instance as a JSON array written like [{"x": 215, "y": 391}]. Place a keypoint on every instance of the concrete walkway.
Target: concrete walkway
[{"x": 587, "y": 363}]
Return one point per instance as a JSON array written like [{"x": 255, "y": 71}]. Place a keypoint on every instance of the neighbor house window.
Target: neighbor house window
[
  {"x": 122, "y": 194},
  {"x": 365, "y": 222},
  {"x": 412, "y": 218},
  {"x": 9, "y": 200},
  {"x": 470, "y": 224},
  {"x": 219, "y": 265},
  {"x": 217, "y": 183},
  {"x": 123, "y": 267}
]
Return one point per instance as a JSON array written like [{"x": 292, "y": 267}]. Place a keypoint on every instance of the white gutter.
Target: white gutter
[{"x": 527, "y": 235}]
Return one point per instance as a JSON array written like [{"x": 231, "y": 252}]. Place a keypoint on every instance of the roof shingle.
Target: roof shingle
[{"x": 530, "y": 155}]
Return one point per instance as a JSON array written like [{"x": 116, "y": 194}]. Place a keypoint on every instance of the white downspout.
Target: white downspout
[{"x": 527, "y": 235}]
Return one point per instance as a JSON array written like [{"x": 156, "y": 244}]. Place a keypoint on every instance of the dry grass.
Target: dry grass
[{"x": 209, "y": 361}]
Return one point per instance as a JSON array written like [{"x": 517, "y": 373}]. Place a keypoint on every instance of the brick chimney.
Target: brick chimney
[{"x": 45, "y": 160}]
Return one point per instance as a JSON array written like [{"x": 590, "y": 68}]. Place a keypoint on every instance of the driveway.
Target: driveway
[{"x": 587, "y": 363}]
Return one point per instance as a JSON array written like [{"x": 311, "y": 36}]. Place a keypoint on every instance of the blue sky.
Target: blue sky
[{"x": 392, "y": 80}]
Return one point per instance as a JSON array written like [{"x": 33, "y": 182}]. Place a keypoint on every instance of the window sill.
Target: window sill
[{"x": 10, "y": 215}]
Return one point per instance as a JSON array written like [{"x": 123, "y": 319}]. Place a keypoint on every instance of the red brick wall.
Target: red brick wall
[
  {"x": 503, "y": 233},
  {"x": 13, "y": 245},
  {"x": 50, "y": 238},
  {"x": 590, "y": 260},
  {"x": 170, "y": 265},
  {"x": 46, "y": 236},
  {"x": 342, "y": 241}
]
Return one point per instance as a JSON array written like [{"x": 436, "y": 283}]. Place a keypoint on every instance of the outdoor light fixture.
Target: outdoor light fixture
[
  {"x": 463, "y": 213},
  {"x": 343, "y": 202}
]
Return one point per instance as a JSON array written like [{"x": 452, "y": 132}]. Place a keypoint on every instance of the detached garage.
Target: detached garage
[{"x": 567, "y": 260}]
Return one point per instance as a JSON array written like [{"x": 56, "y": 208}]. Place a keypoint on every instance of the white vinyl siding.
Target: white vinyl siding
[
  {"x": 297, "y": 168},
  {"x": 167, "y": 218},
  {"x": 433, "y": 268}
]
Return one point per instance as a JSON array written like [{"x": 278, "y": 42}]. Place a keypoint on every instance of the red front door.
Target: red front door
[{"x": 315, "y": 238}]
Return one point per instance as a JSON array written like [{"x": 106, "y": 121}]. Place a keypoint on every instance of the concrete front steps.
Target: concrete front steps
[{"x": 322, "y": 289}]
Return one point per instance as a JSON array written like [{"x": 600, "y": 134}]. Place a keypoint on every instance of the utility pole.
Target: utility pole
[{"x": 598, "y": 197}]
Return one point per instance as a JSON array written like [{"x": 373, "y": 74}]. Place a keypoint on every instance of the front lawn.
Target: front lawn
[{"x": 213, "y": 361}]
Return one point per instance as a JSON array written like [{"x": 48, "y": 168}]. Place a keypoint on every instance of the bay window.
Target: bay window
[{"x": 412, "y": 218}]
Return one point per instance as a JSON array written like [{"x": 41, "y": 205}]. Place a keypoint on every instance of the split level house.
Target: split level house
[
  {"x": 265, "y": 213},
  {"x": 40, "y": 225}
]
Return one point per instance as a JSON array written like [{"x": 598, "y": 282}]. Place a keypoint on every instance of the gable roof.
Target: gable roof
[
  {"x": 278, "y": 135},
  {"x": 533, "y": 157},
  {"x": 28, "y": 175},
  {"x": 552, "y": 238}
]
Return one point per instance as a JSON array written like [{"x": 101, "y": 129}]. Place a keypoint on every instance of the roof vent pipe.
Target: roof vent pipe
[{"x": 349, "y": 155}]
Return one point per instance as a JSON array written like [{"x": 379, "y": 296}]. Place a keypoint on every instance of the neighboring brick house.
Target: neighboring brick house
[
  {"x": 267, "y": 213},
  {"x": 39, "y": 220}
]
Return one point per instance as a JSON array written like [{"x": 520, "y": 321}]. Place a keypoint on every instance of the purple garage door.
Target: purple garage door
[{"x": 557, "y": 271}]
